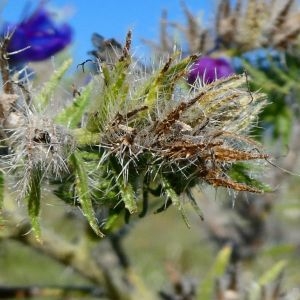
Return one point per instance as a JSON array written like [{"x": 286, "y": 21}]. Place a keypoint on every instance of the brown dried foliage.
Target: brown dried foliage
[{"x": 201, "y": 149}]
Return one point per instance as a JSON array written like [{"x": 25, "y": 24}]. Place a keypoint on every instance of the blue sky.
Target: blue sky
[{"x": 111, "y": 18}]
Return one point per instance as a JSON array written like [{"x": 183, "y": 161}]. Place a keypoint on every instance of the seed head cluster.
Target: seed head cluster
[{"x": 196, "y": 138}]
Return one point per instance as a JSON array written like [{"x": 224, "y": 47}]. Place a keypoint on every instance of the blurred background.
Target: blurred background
[{"x": 109, "y": 18}]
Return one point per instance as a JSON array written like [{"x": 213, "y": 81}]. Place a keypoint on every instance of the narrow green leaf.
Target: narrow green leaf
[
  {"x": 119, "y": 88},
  {"x": 272, "y": 274},
  {"x": 112, "y": 97},
  {"x": 165, "y": 81},
  {"x": 83, "y": 193},
  {"x": 72, "y": 114},
  {"x": 195, "y": 205},
  {"x": 218, "y": 270},
  {"x": 222, "y": 261},
  {"x": 170, "y": 193},
  {"x": 44, "y": 97},
  {"x": 127, "y": 195},
  {"x": 276, "y": 251},
  {"x": 33, "y": 200},
  {"x": 111, "y": 221},
  {"x": 106, "y": 74},
  {"x": 268, "y": 277},
  {"x": 241, "y": 171}
]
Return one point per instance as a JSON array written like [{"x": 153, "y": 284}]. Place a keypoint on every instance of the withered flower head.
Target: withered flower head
[{"x": 189, "y": 140}]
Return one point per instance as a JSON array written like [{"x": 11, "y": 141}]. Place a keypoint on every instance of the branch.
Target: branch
[
  {"x": 52, "y": 245},
  {"x": 100, "y": 265}
]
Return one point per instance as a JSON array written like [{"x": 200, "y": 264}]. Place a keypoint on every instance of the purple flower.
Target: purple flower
[
  {"x": 39, "y": 31},
  {"x": 209, "y": 69}
]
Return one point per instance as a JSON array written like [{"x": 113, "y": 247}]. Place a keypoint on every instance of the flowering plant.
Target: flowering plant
[{"x": 139, "y": 133}]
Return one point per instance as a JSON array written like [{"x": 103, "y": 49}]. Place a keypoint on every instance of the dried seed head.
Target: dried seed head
[
  {"x": 37, "y": 144},
  {"x": 199, "y": 138}
]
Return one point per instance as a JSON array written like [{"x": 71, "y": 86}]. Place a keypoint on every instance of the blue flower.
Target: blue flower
[
  {"x": 41, "y": 34},
  {"x": 209, "y": 69}
]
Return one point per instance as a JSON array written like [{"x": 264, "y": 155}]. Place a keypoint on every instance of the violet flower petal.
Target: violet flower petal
[
  {"x": 209, "y": 69},
  {"x": 44, "y": 36}
]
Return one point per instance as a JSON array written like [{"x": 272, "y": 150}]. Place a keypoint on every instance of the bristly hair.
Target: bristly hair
[
  {"x": 131, "y": 130},
  {"x": 198, "y": 138}
]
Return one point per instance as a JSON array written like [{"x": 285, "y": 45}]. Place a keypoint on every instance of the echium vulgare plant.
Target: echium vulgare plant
[{"x": 126, "y": 135}]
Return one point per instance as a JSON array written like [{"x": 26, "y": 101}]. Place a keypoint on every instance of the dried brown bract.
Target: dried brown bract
[{"x": 199, "y": 138}]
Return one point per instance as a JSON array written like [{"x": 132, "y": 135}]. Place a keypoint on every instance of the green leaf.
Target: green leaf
[
  {"x": 106, "y": 74},
  {"x": 43, "y": 98},
  {"x": 222, "y": 261},
  {"x": 111, "y": 98},
  {"x": 127, "y": 195},
  {"x": 83, "y": 192},
  {"x": 219, "y": 268},
  {"x": 112, "y": 219},
  {"x": 165, "y": 81},
  {"x": 241, "y": 171},
  {"x": 195, "y": 204},
  {"x": 170, "y": 193},
  {"x": 272, "y": 274},
  {"x": 72, "y": 115},
  {"x": 119, "y": 87},
  {"x": 255, "y": 291},
  {"x": 279, "y": 250},
  {"x": 33, "y": 198}
]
